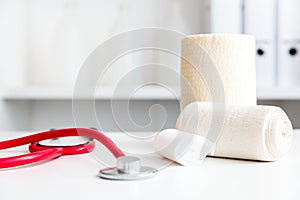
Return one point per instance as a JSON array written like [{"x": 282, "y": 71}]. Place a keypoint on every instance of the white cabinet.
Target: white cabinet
[{"x": 151, "y": 108}]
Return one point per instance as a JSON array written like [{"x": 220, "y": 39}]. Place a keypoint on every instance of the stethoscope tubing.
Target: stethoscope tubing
[
  {"x": 68, "y": 150},
  {"x": 30, "y": 158},
  {"x": 42, "y": 153}
]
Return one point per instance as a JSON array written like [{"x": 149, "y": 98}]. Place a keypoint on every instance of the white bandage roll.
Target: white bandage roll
[
  {"x": 245, "y": 132},
  {"x": 213, "y": 64},
  {"x": 182, "y": 147}
]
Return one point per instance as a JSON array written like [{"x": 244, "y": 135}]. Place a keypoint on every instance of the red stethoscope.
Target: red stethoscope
[{"x": 128, "y": 167}]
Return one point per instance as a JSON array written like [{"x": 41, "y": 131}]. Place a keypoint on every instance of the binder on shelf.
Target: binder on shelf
[
  {"x": 288, "y": 43},
  {"x": 223, "y": 16},
  {"x": 260, "y": 21}
]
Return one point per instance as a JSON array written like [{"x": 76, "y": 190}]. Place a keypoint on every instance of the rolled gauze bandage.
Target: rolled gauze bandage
[
  {"x": 213, "y": 64},
  {"x": 182, "y": 147},
  {"x": 245, "y": 132}
]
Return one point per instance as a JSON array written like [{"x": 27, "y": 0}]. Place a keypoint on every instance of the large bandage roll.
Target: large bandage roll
[
  {"x": 213, "y": 64},
  {"x": 245, "y": 132}
]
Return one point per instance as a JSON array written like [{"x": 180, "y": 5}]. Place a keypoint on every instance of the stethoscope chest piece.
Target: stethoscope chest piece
[{"x": 128, "y": 168}]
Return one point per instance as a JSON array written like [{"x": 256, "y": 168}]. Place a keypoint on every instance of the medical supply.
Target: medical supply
[
  {"x": 183, "y": 147},
  {"x": 232, "y": 57},
  {"x": 248, "y": 132},
  {"x": 55, "y": 143}
]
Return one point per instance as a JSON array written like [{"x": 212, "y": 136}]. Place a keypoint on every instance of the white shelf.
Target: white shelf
[
  {"x": 145, "y": 93},
  {"x": 107, "y": 93},
  {"x": 279, "y": 94}
]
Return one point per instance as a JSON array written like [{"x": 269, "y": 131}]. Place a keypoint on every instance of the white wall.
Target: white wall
[{"x": 44, "y": 43}]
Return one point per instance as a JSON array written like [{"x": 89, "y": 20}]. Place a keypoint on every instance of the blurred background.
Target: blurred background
[{"x": 45, "y": 42}]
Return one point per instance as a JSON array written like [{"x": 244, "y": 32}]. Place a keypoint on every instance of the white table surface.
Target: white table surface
[{"x": 75, "y": 178}]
